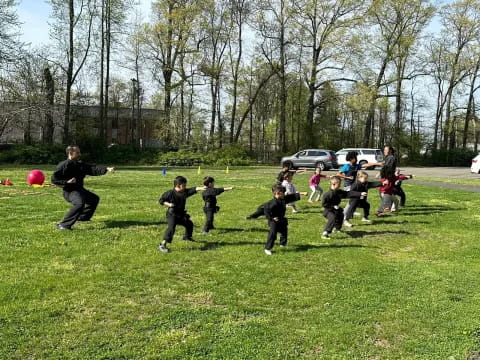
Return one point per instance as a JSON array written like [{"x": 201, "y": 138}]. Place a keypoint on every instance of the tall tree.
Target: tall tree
[
  {"x": 167, "y": 39},
  {"x": 72, "y": 31},
  {"x": 460, "y": 24},
  {"x": 326, "y": 24},
  {"x": 9, "y": 32}
]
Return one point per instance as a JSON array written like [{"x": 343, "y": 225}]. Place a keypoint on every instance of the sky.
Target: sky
[{"x": 34, "y": 16}]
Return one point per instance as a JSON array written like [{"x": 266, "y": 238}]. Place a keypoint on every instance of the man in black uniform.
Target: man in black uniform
[{"x": 69, "y": 175}]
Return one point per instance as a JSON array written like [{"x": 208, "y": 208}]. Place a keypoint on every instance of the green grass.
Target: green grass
[
  {"x": 404, "y": 287},
  {"x": 474, "y": 180}
]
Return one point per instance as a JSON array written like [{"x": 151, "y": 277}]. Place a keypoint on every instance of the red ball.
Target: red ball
[{"x": 35, "y": 177}]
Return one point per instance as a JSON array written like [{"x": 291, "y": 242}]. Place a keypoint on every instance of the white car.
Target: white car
[
  {"x": 475, "y": 165},
  {"x": 364, "y": 155}
]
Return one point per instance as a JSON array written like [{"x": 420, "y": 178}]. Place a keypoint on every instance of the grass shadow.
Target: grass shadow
[
  {"x": 122, "y": 224},
  {"x": 356, "y": 234},
  {"x": 306, "y": 247}
]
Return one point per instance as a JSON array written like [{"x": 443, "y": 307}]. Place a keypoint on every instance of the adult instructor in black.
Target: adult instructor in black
[{"x": 69, "y": 175}]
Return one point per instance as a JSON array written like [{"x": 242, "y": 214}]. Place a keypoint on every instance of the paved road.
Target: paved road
[{"x": 446, "y": 173}]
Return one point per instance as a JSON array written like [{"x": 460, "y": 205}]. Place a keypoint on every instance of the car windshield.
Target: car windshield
[{"x": 368, "y": 152}]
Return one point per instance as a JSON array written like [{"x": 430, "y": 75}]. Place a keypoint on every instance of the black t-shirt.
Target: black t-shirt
[
  {"x": 210, "y": 197},
  {"x": 178, "y": 199}
]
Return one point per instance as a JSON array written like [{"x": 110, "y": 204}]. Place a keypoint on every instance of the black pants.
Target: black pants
[
  {"x": 83, "y": 207},
  {"x": 259, "y": 212},
  {"x": 357, "y": 203},
  {"x": 400, "y": 193},
  {"x": 280, "y": 226},
  {"x": 210, "y": 215},
  {"x": 173, "y": 221},
  {"x": 334, "y": 219}
]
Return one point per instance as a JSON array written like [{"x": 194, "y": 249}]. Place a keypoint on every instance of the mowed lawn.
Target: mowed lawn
[{"x": 404, "y": 287}]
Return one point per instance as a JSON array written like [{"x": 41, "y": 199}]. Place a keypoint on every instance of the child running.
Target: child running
[
  {"x": 331, "y": 201},
  {"x": 275, "y": 214},
  {"x": 361, "y": 185},
  {"x": 314, "y": 184},
  {"x": 210, "y": 197},
  {"x": 175, "y": 201}
]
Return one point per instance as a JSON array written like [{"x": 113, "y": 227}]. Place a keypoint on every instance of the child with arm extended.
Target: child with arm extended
[
  {"x": 314, "y": 184},
  {"x": 210, "y": 197}
]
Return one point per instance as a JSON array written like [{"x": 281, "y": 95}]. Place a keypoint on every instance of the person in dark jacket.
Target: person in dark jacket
[
  {"x": 275, "y": 214},
  {"x": 70, "y": 174},
  {"x": 360, "y": 186},
  {"x": 331, "y": 201},
  {"x": 175, "y": 200},
  {"x": 210, "y": 197}
]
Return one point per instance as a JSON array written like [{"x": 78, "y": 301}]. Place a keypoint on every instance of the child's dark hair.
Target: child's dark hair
[
  {"x": 279, "y": 189},
  {"x": 179, "y": 180},
  {"x": 207, "y": 180},
  {"x": 391, "y": 150},
  {"x": 351, "y": 155}
]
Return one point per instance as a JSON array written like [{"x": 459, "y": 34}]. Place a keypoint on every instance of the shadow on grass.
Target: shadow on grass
[
  {"x": 389, "y": 220},
  {"x": 355, "y": 234},
  {"x": 229, "y": 230},
  {"x": 122, "y": 224},
  {"x": 306, "y": 247}
]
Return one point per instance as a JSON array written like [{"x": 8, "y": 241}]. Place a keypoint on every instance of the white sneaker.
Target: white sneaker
[
  {"x": 268, "y": 252},
  {"x": 325, "y": 235},
  {"x": 366, "y": 220},
  {"x": 356, "y": 214},
  {"x": 347, "y": 223},
  {"x": 310, "y": 201},
  {"x": 163, "y": 248}
]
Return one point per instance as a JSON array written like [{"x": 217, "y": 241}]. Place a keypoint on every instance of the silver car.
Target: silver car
[{"x": 311, "y": 158}]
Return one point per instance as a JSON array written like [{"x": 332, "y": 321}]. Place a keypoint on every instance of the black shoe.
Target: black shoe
[
  {"x": 62, "y": 227},
  {"x": 249, "y": 217},
  {"x": 188, "y": 238}
]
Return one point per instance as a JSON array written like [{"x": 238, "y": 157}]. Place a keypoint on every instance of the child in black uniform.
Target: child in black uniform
[
  {"x": 210, "y": 197},
  {"x": 275, "y": 214},
  {"x": 361, "y": 185},
  {"x": 331, "y": 201},
  {"x": 175, "y": 200}
]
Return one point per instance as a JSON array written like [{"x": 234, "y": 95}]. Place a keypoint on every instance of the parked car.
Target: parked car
[
  {"x": 364, "y": 156},
  {"x": 311, "y": 158},
  {"x": 475, "y": 165}
]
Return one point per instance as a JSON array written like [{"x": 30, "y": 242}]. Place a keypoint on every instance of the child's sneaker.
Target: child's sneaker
[
  {"x": 163, "y": 248},
  {"x": 356, "y": 213},
  {"x": 364, "y": 219},
  {"x": 378, "y": 214},
  {"x": 310, "y": 201},
  {"x": 295, "y": 211},
  {"x": 325, "y": 235},
  {"x": 347, "y": 223},
  {"x": 268, "y": 252}
]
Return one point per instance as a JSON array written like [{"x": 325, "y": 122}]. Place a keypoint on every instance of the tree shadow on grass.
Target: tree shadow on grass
[
  {"x": 122, "y": 224},
  {"x": 230, "y": 230}
]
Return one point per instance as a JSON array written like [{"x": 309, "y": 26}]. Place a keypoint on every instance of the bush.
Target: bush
[{"x": 39, "y": 154}]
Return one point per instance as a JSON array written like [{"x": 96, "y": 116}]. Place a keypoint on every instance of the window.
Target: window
[
  {"x": 301, "y": 153},
  {"x": 368, "y": 152}
]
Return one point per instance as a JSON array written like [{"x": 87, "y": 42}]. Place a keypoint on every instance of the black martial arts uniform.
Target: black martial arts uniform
[
  {"x": 333, "y": 212},
  {"x": 356, "y": 201},
  {"x": 177, "y": 215},
  {"x": 276, "y": 208},
  {"x": 83, "y": 201},
  {"x": 210, "y": 208}
]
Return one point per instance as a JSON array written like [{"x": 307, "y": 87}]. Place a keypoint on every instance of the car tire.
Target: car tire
[
  {"x": 320, "y": 165},
  {"x": 288, "y": 164}
]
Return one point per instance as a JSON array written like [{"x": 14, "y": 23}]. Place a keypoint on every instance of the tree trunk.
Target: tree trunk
[
  {"x": 68, "y": 90},
  {"x": 49, "y": 128}
]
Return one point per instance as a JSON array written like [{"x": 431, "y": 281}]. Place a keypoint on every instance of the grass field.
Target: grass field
[{"x": 405, "y": 287}]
